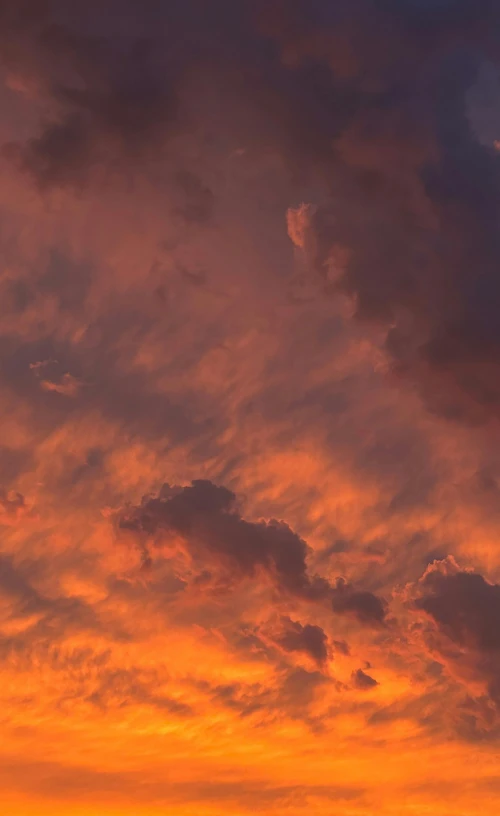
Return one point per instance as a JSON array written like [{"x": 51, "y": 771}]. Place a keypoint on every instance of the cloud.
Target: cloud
[
  {"x": 34, "y": 617},
  {"x": 12, "y": 506},
  {"x": 363, "y": 681},
  {"x": 366, "y": 607},
  {"x": 206, "y": 516},
  {"x": 464, "y": 609},
  {"x": 309, "y": 639},
  {"x": 341, "y": 647},
  {"x": 61, "y": 781},
  {"x": 69, "y": 386},
  {"x": 119, "y": 687},
  {"x": 294, "y": 692},
  {"x": 115, "y": 102},
  {"x": 463, "y": 604},
  {"x": 298, "y": 225},
  {"x": 414, "y": 196},
  {"x": 409, "y": 202},
  {"x": 153, "y": 235}
]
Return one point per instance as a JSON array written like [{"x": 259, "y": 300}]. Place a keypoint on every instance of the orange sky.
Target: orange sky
[{"x": 249, "y": 407}]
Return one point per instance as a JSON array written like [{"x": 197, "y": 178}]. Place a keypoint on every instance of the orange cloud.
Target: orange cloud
[{"x": 248, "y": 453}]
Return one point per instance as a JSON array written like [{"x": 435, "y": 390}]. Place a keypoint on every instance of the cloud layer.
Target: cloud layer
[{"x": 249, "y": 401}]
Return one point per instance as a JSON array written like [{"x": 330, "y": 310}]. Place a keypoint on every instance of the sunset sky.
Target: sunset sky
[{"x": 250, "y": 407}]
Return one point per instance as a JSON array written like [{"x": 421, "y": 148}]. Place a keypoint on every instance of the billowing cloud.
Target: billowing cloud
[
  {"x": 463, "y": 605},
  {"x": 206, "y": 516},
  {"x": 464, "y": 608}
]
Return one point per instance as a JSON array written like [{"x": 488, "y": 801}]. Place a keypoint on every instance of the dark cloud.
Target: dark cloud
[
  {"x": 206, "y": 516},
  {"x": 465, "y": 612},
  {"x": 366, "y": 607},
  {"x": 464, "y": 606},
  {"x": 112, "y": 97},
  {"x": 373, "y": 95},
  {"x": 363, "y": 681},
  {"x": 308, "y": 639},
  {"x": 415, "y": 196}
]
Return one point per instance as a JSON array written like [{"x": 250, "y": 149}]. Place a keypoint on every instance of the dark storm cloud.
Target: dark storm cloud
[{"x": 206, "y": 516}]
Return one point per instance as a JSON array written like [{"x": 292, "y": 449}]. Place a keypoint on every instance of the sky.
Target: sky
[{"x": 249, "y": 407}]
